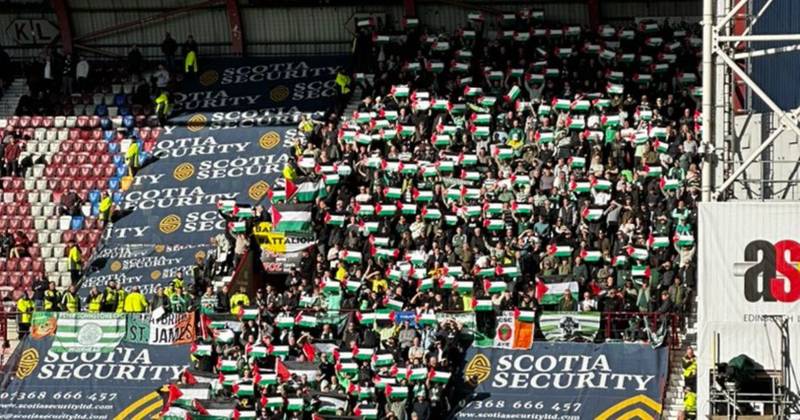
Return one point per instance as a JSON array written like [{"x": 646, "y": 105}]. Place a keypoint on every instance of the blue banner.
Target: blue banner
[
  {"x": 128, "y": 382},
  {"x": 144, "y": 265},
  {"x": 567, "y": 381},
  {"x": 276, "y": 85},
  {"x": 193, "y": 166}
]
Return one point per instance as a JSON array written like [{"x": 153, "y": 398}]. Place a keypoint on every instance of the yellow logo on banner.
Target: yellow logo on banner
[
  {"x": 257, "y": 190},
  {"x": 636, "y": 407},
  {"x": 183, "y": 171},
  {"x": 269, "y": 140},
  {"x": 27, "y": 363},
  {"x": 116, "y": 265},
  {"x": 159, "y": 248},
  {"x": 196, "y": 122},
  {"x": 279, "y": 93},
  {"x": 169, "y": 224},
  {"x": 147, "y": 406},
  {"x": 209, "y": 77},
  {"x": 479, "y": 367},
  {"x": 155, "y": 275}
]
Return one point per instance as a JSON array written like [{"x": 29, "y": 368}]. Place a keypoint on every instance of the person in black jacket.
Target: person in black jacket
[
  {"x": 39, "y": 286},
  {"x": 169, "y": 47}
]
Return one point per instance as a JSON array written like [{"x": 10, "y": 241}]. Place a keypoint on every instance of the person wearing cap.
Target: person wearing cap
[{"x": 110, "y": 297}]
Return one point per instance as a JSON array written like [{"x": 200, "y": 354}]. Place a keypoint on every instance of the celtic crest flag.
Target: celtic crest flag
[
  {"x": 569, "y": 326},
  {"x": 88, "y": 333}
]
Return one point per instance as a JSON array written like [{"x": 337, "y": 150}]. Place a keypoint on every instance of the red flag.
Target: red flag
[
  {"x": 276, "y": 216},
  {"x": 174, "y": 394},
  {"x": 291, "y": 188},
  {"x": 256, "y": 377},
  {"x": 541, "y": 289},
  {"x": 199, "y": 408},
  {"x": 205, "y": 326},
  {"x": 236, "y": 414},
  {"x": 309, "y": 352},
  {"x": 188, "y": 378},
  {"x": 282, "y": 371}
]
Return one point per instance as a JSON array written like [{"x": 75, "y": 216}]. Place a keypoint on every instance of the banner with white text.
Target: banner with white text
[
  {"x": 566, "y": 381},
  {"x": 128, "y": 382},
  {"x": 273, "y": 84}
]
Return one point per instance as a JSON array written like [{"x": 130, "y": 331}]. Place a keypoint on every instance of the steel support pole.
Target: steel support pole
[
  {"x": 731, "y": 13},
  {"x": 64, "y": 24},
  {"x": 708, "y": 95},
  {"x": 749, "y": 161},
  {"x": 147, "y": 20},
  {"x": 765, "y": 52},
  {"x": 758, "y": 38},
  {"x": 790, "y": 120}
]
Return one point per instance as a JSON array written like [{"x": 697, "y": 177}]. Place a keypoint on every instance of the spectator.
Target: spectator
[
  {"x": 39, "y": 288},
  {"x": 52, "y": 298},
  {"x": 135, "y": 62},
  {"x": 82, "y": 74},
  {"x": 190, "y": 55},
  {"x": 25, "y": 306},
  {"x": 136, "y": 303},
  {"x": 74, "y": 261},
  {"x": 70, "y": 301},
  {"x": 66, "y": 75},
  {"x": 169, "y": 47},
  {"x": 12, "y": 152}
]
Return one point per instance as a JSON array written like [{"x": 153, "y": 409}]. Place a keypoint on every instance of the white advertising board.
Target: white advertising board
[{"x": 749, "y": 259}]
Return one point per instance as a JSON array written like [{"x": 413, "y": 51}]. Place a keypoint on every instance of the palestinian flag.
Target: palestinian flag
[
  {"x": 524, "y": 315},
  {"x": 349, "y": 256},
  {"x": 544, "y": 137},
  {"x": 512, "y": 94},
  {"x": 416, "y": 374},
  {"x": 247, "y": 314},
  {"x": 279, "y": 351},
  {"x": 201, "y": 350},
  {"x": 615, "y": 89},
  {"x": 642, "y": 78},
  {"x": 507, "y": 271},
  {"x": 400, "y": 91},
  {"x": 660, "y": 146},
  {"x": 482, "y": 305},
  {"x": 334, "y": 219},
  {"x": 601, "y": 184},
  {"x": 494, "y": 224},
  {"x": 473, "y": 91},
  {"x": 364, "y": 209},
  {"x": 306, "y": 321},
  {"x": 425, "y": 284},
  {"x": 610, "y": 121},
  {"x": 591, "y": 256},
  {"x": 652, "y": 171},
  {"x": 592, "y": 215},
  {"x": 441, "y": 140},
  {"x": 463, "y": 287},
  {"x": 640, "y": 271},
  {"x": 607, "y": 54},
  {"x": 227, "y": 366},
  {"x": 431, "y": 213},
  {"x": 410, "y": 23},
  {"x": 656, "y": 242},
  {"x": 521, "y": 208},
  {"x": 668, "y": 184},
  {"x": 237, "y": 227},
  {"x": 243, "y": 389},
  {"x": 291, "y": 217},
  {"x": 487, "y": 101},
  {"x": 581, "y": 106},
  {"x": 561, "y": 104},
  {"x": 440, "y": 105},
  {"x": 284, "y": 321},
  {"x": 434, "y": 66},
  {"x": 365, "y": 412},
  {"x": 684, "y": 240},
  {"x": 243, "y": 212},
  {"x": 494, "y": 287},
  {"x": 687, "y": 78},
  {"x": 426, "y": 319},
  {"x": 640, "y": 254},
  {"x": 439, "y": 376},
  {"x": 445, "y": 166},
  {"x": 562, "y": 251},
  {"x": 576, "y": 162},
  {"x": 502, "y": 153},
  {"x": 226, "y": 206},
  {"x": 273, "y": 402},
  {"x": 619, "y": 261},
  {"x": 580, "y": 187},
  {"x": 551, "y": 293},
  {"x": 397, "y": 392}
]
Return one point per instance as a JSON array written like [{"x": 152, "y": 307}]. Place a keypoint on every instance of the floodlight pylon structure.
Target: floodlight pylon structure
[{"x": 726, "y": 48}]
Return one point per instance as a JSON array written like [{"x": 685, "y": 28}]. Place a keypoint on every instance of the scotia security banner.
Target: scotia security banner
[
  {"x": 173, "y": 199},
  {"x": 127, "y": 382},
  {"x": 567, "y": 380},
  {"x": 272, "y": 84},
  {"x": 144, "y": 265}
]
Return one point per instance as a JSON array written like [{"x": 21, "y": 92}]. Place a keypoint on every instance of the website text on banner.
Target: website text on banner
[{"x": 599, "y": 381}]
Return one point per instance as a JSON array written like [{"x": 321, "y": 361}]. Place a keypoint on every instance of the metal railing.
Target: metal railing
[{"x": 630, "y": 326}]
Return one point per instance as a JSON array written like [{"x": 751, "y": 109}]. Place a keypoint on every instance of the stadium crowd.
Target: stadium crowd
[{"x": 544, "y": 168}]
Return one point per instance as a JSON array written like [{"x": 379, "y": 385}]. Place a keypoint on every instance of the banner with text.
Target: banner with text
[
  {"x": 144, "y": 265},
  {"x": 567, "y": 380},
  {"x": 174, "y": 198},
  {"x": 274, "y": 84},
  {"x": 128, "y": 382}
]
